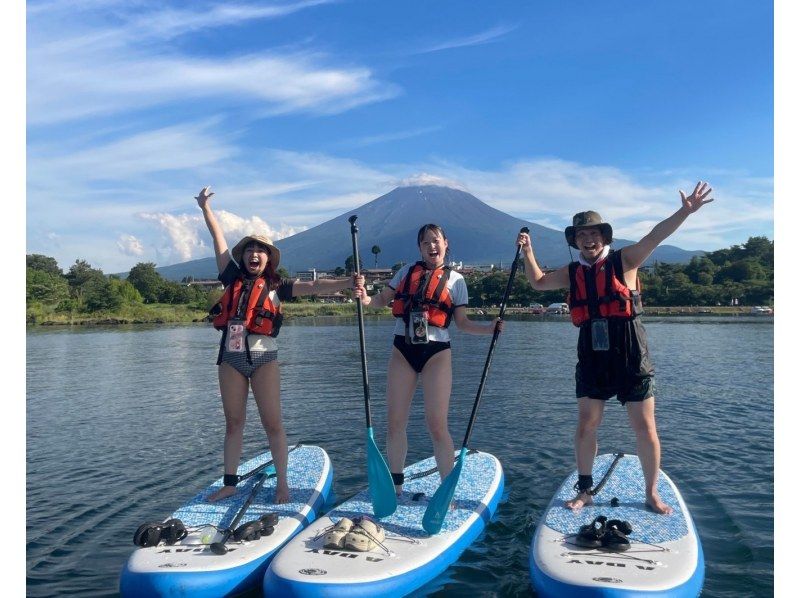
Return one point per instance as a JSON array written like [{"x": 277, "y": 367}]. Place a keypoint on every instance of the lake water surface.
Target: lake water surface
[{"x": 125, "y": 424}]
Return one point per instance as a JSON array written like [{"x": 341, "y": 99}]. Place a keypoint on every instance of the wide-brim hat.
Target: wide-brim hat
[
  {"x": 274, "y": 252},
  {"x": 588, "y": 219}
]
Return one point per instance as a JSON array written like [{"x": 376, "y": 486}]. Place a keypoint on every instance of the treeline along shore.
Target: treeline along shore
[{"x": 724, "y": 282}]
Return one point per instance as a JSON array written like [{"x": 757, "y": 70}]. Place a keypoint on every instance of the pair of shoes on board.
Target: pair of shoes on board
[
  {"x": 151, "y": 534},
  {"x": 334, "y": 538},
  {"x": 365, "y": 535},
  {"x": 253, "y": 530},
  {"x": 611, "y": 534}
]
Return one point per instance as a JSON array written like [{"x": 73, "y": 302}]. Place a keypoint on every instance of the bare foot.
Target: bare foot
[
  {"x": 281, "y": 494},
  {"x": 579, "y": 501},
  {"x": 223, "y": 492},
  {"x": 655, "y": 504}
]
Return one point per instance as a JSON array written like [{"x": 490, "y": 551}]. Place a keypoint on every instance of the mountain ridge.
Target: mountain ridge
[{"x": 478, "y": 234}]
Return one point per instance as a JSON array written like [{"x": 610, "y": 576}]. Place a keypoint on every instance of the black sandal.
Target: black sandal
[
  {"x": 589, "y": 535},
  {"x": 615, "y": 541},
  {"x": 622, "y": 526}
]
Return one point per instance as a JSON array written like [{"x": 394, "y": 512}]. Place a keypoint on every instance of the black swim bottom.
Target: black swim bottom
[
  {"x": 631, "y": 389},
  {"x": 418, "y": 355}
]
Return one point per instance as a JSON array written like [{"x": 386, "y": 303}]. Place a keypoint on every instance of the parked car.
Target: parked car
[
  {"x": 536, "y": 308},
  {"x": 558, "y": 308},
  {"x": 761, "y": 310}
]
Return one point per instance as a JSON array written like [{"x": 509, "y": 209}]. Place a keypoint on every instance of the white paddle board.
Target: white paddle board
[
  {"x": 665, "y": 557},
  {"x": 190, "y": 568},
  {"x": 410, "y": 557}
]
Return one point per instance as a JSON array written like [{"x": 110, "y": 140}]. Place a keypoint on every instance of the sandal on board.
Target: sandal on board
[
  {"x": 615, "y": 541},
  {"x": 589, "y": 535}
]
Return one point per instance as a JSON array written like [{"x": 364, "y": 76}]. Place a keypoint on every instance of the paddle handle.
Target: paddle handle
[
  {"x": 360, "y": 310},
  {"x": 492, "y": 344}
]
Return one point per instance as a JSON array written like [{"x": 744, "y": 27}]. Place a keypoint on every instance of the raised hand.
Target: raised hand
[
  {"x": 524, "y": 240},
  {"x": 698, "y": 197},
  {"x": 204, "y": 195}
]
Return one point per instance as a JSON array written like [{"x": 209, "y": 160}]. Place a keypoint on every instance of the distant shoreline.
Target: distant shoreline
[{"x": 306, "y": 310}]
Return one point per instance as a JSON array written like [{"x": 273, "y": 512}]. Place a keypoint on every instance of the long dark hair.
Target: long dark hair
[{"x": 437, "y": 230}]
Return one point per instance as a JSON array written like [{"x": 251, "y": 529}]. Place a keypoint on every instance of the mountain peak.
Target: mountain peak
[{"x": 424, "y": 179}]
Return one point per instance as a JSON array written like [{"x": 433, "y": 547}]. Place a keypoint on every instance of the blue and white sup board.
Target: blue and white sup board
[
  {"x": 665, "y": 558},
  {"x": 410, "y": 557},
  {"x": 190, "y": 568}
]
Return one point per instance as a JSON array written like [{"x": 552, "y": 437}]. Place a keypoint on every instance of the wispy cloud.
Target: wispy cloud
[
  {"x": 389, "y": 137},
  {"x": 76, "y": 70},
  {"x": 477, "y": 39}
]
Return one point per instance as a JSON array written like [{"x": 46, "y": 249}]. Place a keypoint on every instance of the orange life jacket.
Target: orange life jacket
[
  {"x": 416, "y": 291},
  {"x": 262, "y": 314},
  {"x": 599, "y": 291}
]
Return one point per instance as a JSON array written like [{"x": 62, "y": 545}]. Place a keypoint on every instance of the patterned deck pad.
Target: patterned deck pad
[
  {"x": 473, "y": 485},
  {"x": 305, "y": 466},
  {"x": 626, "y": 483}
]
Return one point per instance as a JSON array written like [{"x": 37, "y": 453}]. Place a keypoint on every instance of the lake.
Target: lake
[{"x": 124, "y": 424}]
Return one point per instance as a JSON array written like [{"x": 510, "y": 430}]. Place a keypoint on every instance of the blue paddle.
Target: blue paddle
[
  {"x": 439, "y": 504},
  {"x": 381, "y": 486}
]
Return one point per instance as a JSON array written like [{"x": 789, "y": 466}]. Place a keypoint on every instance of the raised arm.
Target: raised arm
[
  {"x": 634, "y": 255},
  {"x": 378, "y": 300},
  {"x": 539, "y": 280},
  {"x": 220, "y": 246}
]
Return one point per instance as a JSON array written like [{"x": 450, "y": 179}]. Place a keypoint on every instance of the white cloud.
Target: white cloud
[
  {"x": 429, "y": 179},
  {"x": 130, "y": 245},
  {"x": 483, "y": 37}
]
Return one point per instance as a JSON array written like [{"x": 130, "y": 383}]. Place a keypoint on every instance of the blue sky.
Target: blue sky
[{"x": 297, "y": 111}]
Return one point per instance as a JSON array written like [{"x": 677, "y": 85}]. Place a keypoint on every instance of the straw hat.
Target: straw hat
[
  {"x": 274, "y": 252},
  {"x": 588, "y": 220}
]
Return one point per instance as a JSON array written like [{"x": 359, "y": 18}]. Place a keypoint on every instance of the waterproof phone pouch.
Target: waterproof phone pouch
[
  {"x": 600, "y": 335},
  {"x": 234, "y": 341},
  {"x": 418, "y": 327}
]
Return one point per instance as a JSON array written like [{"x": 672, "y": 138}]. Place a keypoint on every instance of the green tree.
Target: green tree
[
  {"x": 99, "y": 295},
  {"x": 375, "y": 251},
  {"x": 45, "y": 287},
  {"x": 43, "y": 263},
  {"x": 339, "y": 271},
  {"x": 126, "y": 291},
  {"x": 147, "y": 281}
]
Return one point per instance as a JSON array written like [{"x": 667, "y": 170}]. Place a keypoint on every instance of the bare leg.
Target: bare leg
[
  {"x": 590, "y": 414},
  {"x": 233, "y": 387},
  {"x": 437, "y": 381},
  {"x": 266, "y": 383},
  {"x": 401, "y": 380},
  {"x": 642, "y": 417}
]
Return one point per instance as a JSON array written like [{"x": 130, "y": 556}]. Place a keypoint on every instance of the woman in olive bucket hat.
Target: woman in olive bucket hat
[
  {"x": 612, "y": 345},
  {"x": 249, "y": 315}
]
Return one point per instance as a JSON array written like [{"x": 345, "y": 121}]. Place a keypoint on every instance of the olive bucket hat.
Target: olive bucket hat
[
  {"x": 274, "y": 252},
  {"x": 588, "y": 220}
]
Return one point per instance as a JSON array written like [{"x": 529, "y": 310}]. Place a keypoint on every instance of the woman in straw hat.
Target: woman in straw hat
[
  {"x": 249, "y": 316},
  {"x": 612, "y": 345}
]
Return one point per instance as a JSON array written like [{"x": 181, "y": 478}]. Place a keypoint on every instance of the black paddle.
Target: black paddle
[
  {"x": 381, "y": 486},
  {"x": 219, "y": 547},
  {"x": 439, "y": 504}
]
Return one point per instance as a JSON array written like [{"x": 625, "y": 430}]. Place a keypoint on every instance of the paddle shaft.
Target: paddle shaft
[
  {"x": 219, "y": 547},
  {"x": 359, "y": 309},
  {"x": 493, "y": 343},
  {"x": 263, "y": 466}
]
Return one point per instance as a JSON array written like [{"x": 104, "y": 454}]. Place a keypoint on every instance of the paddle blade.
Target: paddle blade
[
  {"x": 381, "y": 487},
  {"x": 439, "y": 504}
]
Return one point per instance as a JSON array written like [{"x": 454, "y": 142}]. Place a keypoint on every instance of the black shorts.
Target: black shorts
[
  {"x": 625, "y": 370},
  {"x": 418, "y": 355}
]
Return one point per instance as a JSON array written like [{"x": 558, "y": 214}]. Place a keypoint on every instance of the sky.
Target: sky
[{"x": 299, "y": 110}]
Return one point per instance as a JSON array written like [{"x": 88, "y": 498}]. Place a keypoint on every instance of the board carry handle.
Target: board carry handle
[{"x": 439, "y": 504}]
